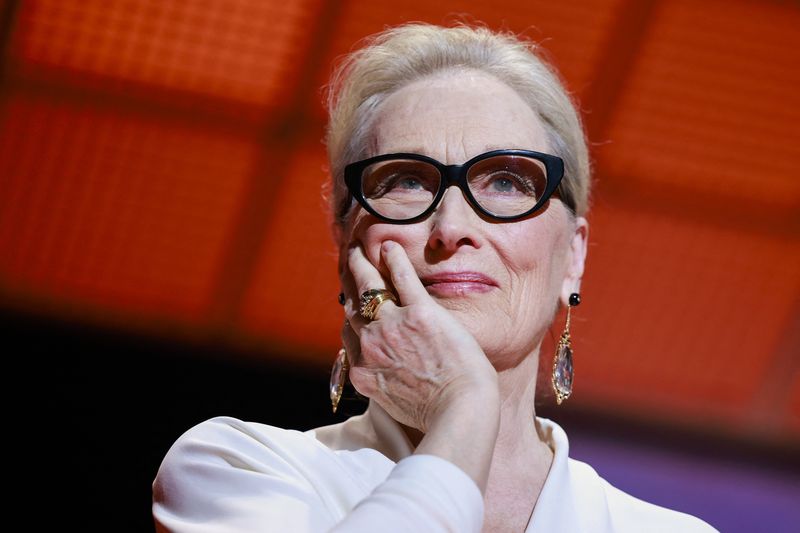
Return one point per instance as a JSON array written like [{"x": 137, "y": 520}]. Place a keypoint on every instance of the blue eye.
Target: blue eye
[
  {"x": 503, "y": 185},
  {"x": 507, "y": 183},
  {"x": 408, "y": 183}
]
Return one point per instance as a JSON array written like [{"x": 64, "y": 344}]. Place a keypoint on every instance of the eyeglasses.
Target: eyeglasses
[{"x": 503, "y": 185}]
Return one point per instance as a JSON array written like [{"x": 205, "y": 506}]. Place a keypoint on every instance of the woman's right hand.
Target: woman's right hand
[
  {"x": 417, "y": 360},
  {"x": 420, "y": 364}
]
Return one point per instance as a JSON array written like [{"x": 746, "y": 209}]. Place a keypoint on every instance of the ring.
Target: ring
[{"x": 371, "y": 300}]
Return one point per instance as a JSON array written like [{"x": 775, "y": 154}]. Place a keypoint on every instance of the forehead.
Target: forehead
[{"x": 455, "y": 116}]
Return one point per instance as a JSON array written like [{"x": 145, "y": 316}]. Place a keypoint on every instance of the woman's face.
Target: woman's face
[{"x": 503, "y": 281}]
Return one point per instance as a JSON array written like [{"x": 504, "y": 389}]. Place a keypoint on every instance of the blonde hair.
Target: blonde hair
[{"x": 403, "y": 54}]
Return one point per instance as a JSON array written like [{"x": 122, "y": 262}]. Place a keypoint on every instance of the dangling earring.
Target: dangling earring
[
  {"x": 562, "y": 362},
  {"x": 338, "y": 377}
]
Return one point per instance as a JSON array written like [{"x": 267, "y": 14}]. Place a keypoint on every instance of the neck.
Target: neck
[
  {"x": 517, "y": 409},
  {"x": 520, "y": 460}
]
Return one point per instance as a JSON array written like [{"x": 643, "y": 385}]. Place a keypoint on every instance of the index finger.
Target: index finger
[{"x": 404, "y": 276}]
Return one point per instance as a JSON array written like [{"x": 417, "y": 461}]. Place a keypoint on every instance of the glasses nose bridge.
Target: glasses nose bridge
[{"x": 451, "y": 175}]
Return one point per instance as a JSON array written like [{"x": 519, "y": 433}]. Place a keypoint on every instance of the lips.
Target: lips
[{"x": 457, "y": 283}]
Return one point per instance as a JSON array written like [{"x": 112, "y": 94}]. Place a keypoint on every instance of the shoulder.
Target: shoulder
[
  {"x": 228, "y": 434},
  {"x": 217, "y": 471},
  {"x": 229, "y": 441},
  {"x": 626, "y": 512}
]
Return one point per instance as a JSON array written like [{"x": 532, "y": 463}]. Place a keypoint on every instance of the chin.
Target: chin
[
  {"x": 494, "y": 331},
  {"x": 503, "y": 345}
]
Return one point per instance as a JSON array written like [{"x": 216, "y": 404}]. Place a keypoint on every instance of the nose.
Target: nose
[{"x": 453, "y": 224}]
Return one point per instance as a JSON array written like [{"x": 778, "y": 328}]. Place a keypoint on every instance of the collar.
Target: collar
[{"x": 556, "y": 508}]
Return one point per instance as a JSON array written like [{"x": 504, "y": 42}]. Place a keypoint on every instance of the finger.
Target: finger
[
  {"x": 404, "y": 277},
  {"x": 366, "y": 276},
  {"x": 354, "y": 285}
]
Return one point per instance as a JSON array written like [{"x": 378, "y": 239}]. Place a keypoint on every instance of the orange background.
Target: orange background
[{"x": 161, "y": 165}]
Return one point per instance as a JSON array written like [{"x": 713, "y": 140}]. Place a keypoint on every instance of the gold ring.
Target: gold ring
[{"x": 371, "y": 300}]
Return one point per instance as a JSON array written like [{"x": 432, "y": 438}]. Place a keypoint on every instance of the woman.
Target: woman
[{"x": 460, "y": 184}]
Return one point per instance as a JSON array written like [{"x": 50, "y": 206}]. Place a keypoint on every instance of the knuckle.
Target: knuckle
[
  {"x": 393, "y": 335},
  {"x": 352, "y": 312},
  {"x": 370, "y": 350},
  {"x": 402, "y": 276},
  {"x": 420, "y": 316}
]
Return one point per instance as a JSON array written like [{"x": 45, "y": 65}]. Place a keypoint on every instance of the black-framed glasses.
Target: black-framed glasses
[{"x": 504, "y": 185}]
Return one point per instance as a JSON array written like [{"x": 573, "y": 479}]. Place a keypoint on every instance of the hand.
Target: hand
[{"x": 416, "y": 360}]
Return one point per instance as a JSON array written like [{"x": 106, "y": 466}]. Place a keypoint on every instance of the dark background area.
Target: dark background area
[{"x": 112, "y": 404}]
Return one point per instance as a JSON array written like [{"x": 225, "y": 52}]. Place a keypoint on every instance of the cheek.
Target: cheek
[
  {"x": 371, "y": 233},
  {"x": 535, "y": 258},
  {"x": 527, "y": 252}
]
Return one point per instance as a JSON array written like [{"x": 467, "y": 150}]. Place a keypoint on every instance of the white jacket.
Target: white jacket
[{"x": 226, "y": 475}]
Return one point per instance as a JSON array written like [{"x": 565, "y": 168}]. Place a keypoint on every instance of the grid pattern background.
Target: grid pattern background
[{"x": 161, "y": 168}]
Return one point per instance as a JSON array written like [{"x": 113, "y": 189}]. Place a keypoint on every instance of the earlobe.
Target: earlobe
[{"x": 576, "y": 258}]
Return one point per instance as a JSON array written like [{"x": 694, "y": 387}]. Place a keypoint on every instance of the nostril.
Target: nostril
[
  {"x": 445, "y": 241},
  {"x": 451, "y": 232}
]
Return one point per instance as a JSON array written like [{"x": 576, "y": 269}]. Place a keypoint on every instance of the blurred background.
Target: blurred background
[{"x": 165, "y": 254}]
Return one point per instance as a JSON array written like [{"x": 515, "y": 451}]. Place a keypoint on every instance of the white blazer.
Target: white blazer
[{"x": 226, "y": 475}]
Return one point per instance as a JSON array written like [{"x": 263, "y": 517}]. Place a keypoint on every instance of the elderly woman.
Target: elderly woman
[{"x": 460, "y": 183}]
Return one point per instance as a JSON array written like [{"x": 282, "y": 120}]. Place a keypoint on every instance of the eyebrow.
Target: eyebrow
[{"x": 489, "y": 148}]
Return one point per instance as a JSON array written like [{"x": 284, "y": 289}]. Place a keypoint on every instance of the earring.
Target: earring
[
  {"x": 562, "y": 362},
  {"x": 338, "y": 377}
]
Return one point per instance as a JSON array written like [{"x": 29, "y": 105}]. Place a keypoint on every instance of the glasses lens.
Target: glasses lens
[
  {"x": 401, "y": 188},
  {"x": 507, "y": 185}
]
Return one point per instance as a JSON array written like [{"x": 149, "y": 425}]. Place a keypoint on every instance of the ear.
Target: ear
[{"x": 576, "y": 257}]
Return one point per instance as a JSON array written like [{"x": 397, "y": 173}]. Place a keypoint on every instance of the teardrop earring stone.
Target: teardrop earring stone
[
  {"x": 338, "y": 377},
  {"x": 563, "y": 372}
]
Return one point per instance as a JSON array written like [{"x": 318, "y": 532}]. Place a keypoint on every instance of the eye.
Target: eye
[
  {"x": 503, "y": 184},
  {"x": 400, "y": 183},
  {"x": 508, "y": 183},
  {"x": 400, "y": 178},
  {"x": 407, "y": 182}
]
